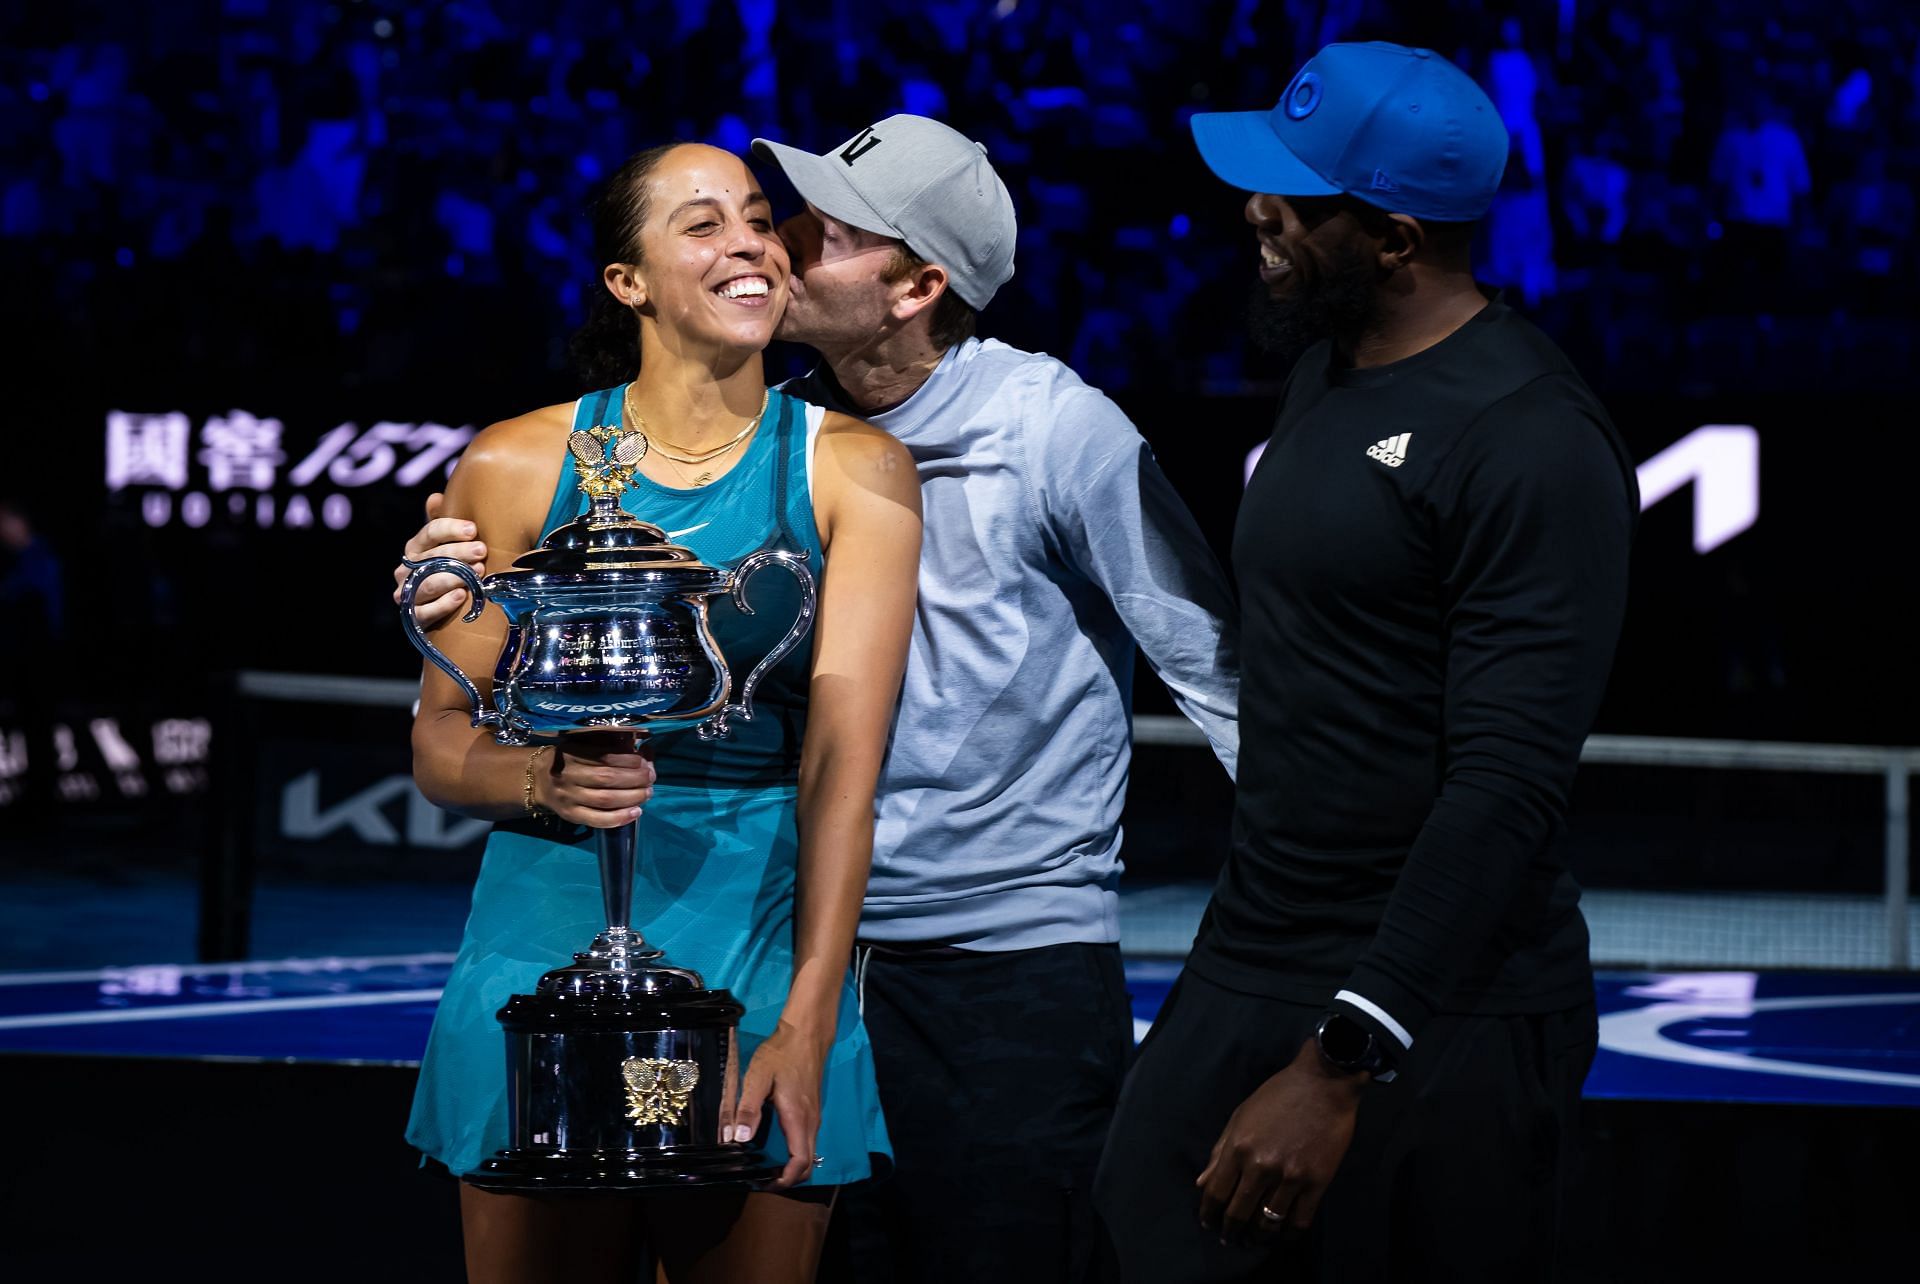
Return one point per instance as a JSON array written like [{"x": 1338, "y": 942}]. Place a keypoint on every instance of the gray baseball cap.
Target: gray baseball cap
[{"x": 920, "y": 181}]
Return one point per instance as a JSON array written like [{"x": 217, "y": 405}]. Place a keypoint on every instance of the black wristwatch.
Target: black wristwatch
[{"x": 1348, "y": 1046}]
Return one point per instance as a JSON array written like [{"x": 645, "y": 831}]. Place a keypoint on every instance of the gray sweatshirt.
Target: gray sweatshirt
[{"x": 1052, "y": 544}]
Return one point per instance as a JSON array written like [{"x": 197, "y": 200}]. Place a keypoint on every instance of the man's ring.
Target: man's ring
[
  {"x": 818, "y": 1160},
  {"x": 1270, "y": 1215}
]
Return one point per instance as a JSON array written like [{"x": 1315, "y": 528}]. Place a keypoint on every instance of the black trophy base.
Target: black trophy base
[{"x": 532, "y": 1172}]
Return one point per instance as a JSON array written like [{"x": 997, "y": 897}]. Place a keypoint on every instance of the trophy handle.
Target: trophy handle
[
  {"x": 411, "y": 627},
  {"x": 796, "y": 563}
]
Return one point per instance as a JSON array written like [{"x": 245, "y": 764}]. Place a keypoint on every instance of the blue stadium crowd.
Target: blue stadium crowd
[{"x": 1701, "y": 195}]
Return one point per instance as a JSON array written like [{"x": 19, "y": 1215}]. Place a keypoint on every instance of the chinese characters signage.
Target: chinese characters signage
[{"x": 242, "y": 469}]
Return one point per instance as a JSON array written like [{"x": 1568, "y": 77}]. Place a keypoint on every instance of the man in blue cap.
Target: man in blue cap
[{"x": 1371, "y": 1066}]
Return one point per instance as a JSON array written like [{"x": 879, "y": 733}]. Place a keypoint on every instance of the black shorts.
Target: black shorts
[
  {"x": 998, "y": 1073},
  {"x": 1457, "y": 1166}
]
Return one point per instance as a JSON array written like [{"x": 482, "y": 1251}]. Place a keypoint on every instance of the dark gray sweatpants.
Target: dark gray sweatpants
[
  {"x": 998, "y": 1073},
  {"x": 1457, "y": 1166}
]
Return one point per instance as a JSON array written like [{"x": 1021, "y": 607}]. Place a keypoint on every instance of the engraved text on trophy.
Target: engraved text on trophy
[{"x": 638, "y": 653}]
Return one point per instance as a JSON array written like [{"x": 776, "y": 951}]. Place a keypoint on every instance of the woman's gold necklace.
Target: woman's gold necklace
[
  {"x": 692, "y": 458},
  {"x": 691, "y": 482}
]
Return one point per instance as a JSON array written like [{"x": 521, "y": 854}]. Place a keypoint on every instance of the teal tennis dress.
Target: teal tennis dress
[{"x": 718, "y": 844}]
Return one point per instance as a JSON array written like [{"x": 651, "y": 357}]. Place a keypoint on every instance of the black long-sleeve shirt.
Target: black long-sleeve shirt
[{"x": 1432, "y": 563}]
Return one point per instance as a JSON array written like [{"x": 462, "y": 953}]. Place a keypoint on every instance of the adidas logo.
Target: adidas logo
[{"x": 1392, "y": 452}]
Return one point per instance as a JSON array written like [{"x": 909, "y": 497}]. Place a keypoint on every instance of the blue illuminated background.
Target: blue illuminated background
[
  {"x": 357, "y": 212},
  {"x": 339, "y": 187},
  {"x": 352, "y": 219}
]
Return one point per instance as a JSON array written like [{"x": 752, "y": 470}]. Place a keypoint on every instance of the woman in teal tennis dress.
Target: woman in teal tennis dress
[{"x": 754, "y": 848}]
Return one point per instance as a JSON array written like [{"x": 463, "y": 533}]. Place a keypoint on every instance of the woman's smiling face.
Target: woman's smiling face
[{"x": 712, "y": 271}]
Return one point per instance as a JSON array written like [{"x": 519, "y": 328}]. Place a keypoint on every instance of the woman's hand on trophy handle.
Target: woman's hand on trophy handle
[
  {"x": 440, "y": 597},
  {"x": 596, "y": 781},
  {"x": 785, "y": 1070}
]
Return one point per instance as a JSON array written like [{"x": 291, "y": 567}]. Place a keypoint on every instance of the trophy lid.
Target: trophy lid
[{"x": 608, "y": 538}]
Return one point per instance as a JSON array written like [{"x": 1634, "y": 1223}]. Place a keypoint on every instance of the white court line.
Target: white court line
[
  {"x": 242, "y": 1007},
  {"x": 1641, "y": 1032},
  {"x": 328, "y": 964}
]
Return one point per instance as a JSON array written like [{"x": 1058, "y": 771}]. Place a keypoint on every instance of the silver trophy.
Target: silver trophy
[{"x": 619, "y": 1066}]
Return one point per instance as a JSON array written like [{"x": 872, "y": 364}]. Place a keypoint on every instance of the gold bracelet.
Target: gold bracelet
[{"x": 526, "y": 788}]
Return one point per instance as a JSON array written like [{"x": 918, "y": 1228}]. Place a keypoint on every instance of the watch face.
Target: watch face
[{"x": 1344, "y": 1041}]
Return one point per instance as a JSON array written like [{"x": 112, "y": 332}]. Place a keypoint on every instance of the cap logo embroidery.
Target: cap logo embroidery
[
  {"x": 863, "y": 143},
  {"x": 1381, "y": 183},
  {"x": 1303, "y": 95}
]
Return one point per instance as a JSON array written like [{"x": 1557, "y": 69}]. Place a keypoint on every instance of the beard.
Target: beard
[{"x": 1340, "y": 301}]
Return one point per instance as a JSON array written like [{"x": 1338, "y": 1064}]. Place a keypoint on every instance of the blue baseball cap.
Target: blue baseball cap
[{"x": 1400, "y": 128}]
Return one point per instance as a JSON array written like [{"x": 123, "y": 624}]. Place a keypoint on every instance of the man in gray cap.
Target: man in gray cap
[{"x": 988, "y": 948}]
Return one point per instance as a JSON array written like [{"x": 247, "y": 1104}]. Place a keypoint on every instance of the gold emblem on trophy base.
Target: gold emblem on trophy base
[{"x": 658, "y": 1090}]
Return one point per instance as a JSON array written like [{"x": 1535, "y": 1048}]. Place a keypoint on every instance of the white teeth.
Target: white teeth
[
  {"x": 1269, "y": 259},
  {"x": 744, "y": 287}
]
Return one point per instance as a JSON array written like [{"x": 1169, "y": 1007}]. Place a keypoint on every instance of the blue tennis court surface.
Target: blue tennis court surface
[
  {"x": 329, "y": 1009},
  {"x": 1807, "y": 1038}
]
